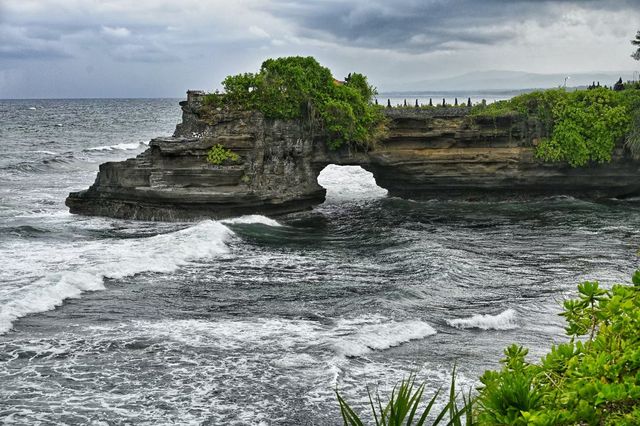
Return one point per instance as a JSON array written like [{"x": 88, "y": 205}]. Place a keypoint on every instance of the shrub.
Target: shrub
[
  {"x": 632, "y": 140},
  {"x": 593, "y": 379},
  {"x": 587, "y": 126},
  {"x": 219, "y": 154},
  {"x": 299, "y": 87},
  {"x": 404, "y": 407},
  {"x": 578, "y": 127}
]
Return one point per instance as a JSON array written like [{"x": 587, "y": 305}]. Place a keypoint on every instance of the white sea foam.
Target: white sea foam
[
  {"x": 58, "y": 214},
  {"x": 348, "y": 183},
  {"x": 345, "y": 338},
  {"x": 360, "y": 336},
  {"x": 254, "y": 218},
  {"x": 503, "y": 321},
  {"x": 120, "y": 146},
  {"x": 295, "y": 361},
  {"x": 86, "y": 264},
  {"x": 44, "y": 152},
  {"x": 204, "y": 360}
]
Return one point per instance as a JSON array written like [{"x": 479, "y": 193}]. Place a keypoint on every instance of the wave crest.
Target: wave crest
[
  {"x": 505, "y": 320},
  {"x": 364, "y": 335},
  {"x": 95, "y": 261},
  {"x": 119, "y": 146},
  {"x": 252, "y": 218}
]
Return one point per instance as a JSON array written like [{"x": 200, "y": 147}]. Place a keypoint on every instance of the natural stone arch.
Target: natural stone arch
[
  {"x": 434, "y": 152},
  {"x": 349, "y": 182}
]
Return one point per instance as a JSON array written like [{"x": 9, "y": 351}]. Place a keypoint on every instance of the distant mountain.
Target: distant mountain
[{"x": 505, "y": 80}]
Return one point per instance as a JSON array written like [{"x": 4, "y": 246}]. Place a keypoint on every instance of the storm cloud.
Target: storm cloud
[{"x": 83, "y": 48}]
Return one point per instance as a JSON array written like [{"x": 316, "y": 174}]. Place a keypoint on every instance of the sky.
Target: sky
[{"x": 161, "y": 48}]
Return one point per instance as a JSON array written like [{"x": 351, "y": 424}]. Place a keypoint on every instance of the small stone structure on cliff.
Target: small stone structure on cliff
[{"x": 435, "y": 152}]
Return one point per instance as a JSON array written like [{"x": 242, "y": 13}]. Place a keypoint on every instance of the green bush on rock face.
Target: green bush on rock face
[
  {"x": 299, "y": 87},
  {"x": 581, "y": 126},
  {"x": 219, "y": 154}
]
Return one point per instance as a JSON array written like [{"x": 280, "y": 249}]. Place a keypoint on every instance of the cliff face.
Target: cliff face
[
  {"x": 172, "y": 180},
  {"x": 474, "y": 157},
  {"x": 435, "y": 153}
]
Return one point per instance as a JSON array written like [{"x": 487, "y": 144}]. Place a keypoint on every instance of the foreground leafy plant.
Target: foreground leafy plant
[
  {"x": 299, "y": 87},
  {"x": 403, "y": 407},
  {"x": 632, "y": 140},
  {"x": 594, "y": 381}
]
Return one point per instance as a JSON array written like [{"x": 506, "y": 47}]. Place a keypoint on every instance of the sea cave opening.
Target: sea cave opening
[{"x": 347, "y": 183}]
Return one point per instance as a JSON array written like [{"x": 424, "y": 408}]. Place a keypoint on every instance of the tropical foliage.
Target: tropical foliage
[
  {"x": 218, "y": 154},
  {"x": 299, "y": 87},
  {"x": 593, "y": 379},
  {"x": 403, "y": 407},
  {"x": 580, "y": 126}
]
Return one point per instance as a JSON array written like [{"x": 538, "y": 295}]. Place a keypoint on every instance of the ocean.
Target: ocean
[{"x": 256, "y": 320}]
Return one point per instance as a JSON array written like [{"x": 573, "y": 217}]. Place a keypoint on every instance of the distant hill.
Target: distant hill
[{"x": 505, "y": 80}]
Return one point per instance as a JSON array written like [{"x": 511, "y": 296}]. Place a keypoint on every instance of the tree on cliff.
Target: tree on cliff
[
  {"x": 299, "y": 87},
  {"x": 636, "y": 42}
]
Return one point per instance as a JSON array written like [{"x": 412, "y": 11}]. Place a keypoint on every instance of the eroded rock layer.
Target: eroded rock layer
[{"x": 441, "y": 152}]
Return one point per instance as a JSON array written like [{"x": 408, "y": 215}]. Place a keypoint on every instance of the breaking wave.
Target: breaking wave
[
  {"x": 254, "y": 218},
  {"x": 89, "y": 263},
  {"x": 120, "y": 146},
  {"x": 360, "y": 336},
  {"x": 503, "y": 321},
  {"x": 286, "y": 338}
]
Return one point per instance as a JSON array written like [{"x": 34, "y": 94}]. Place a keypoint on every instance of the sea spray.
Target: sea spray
[
  {"x": 251, "y": 219},
  {"x": 88, "y": 264},
  {"x": 119, "y": 146},
  {"x": 505, "y": 320},
  {"x": 360, "y": 336}
]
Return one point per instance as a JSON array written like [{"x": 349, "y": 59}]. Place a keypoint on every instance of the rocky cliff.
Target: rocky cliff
[{"x": 440, "y": 152}]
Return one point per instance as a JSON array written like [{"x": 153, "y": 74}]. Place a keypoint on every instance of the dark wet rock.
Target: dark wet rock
[{"x": 436, "y": 152}]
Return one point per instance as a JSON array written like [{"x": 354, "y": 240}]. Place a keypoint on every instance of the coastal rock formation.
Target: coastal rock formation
[
  {"x": 172, "y": 180},
  {"x": 439, "y": 152}
]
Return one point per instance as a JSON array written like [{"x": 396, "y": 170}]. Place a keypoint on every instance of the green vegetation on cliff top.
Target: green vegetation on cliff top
[
  {"x": 593, "y": 379},
  {"x": 299, "y": 87},
  {"x": 579, "y": 127}
]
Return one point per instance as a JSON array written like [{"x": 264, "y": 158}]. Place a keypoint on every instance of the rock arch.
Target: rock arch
[{"x": 435, "y": 152}]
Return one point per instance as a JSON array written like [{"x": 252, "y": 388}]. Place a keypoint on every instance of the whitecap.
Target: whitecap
[
  {"x": 44, "y": 152},
  {"x": 120, "y": 146},
  {"x": 295, "y": 361},
  {"x": 291, "y": 339},
  {"x": 89, "y": 263},
  {"x": 505, "y": 320},
  {"x": 254, "y": 218},
  {"x": 363, "y": 335}
]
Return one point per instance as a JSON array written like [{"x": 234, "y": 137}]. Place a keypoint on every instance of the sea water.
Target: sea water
[{"x": 257, "y": 320}]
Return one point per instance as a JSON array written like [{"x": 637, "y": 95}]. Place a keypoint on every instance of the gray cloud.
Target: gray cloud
[
  {"x": 19, "y": 43},
  {"x": 421, "y": 26},
  {"x": 163, "y": 47}
]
